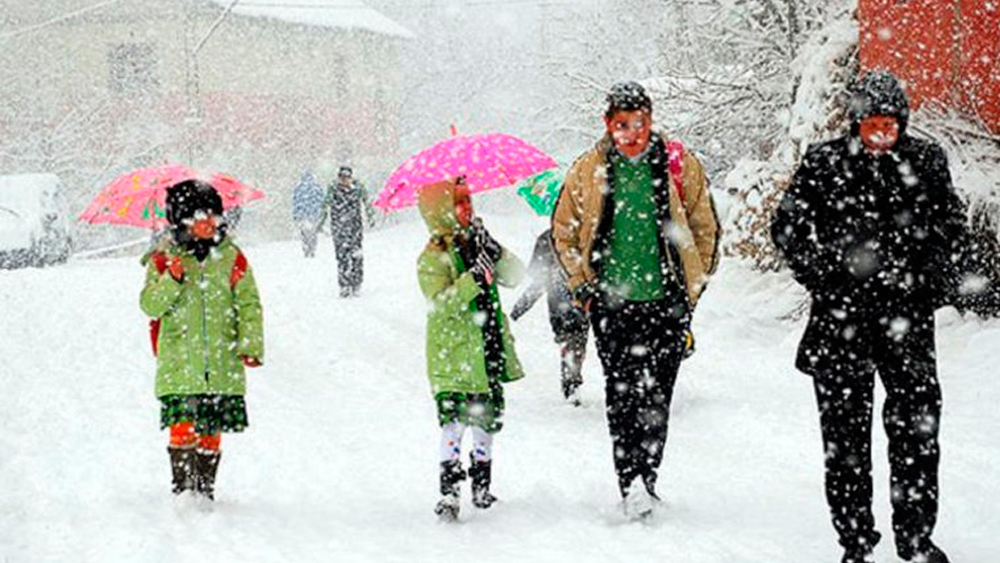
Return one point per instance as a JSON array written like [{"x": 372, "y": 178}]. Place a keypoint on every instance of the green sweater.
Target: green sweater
[{"x": 633, "y": 268}]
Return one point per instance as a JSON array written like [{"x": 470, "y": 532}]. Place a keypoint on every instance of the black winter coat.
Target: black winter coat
[
  {"x": 873, "y": 227},
  {"x": 346, "y": 206},
  {"x": 870, "y": 236}
]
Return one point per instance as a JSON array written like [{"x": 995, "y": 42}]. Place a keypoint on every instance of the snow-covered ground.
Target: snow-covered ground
[{"x": 340, "y": 460}]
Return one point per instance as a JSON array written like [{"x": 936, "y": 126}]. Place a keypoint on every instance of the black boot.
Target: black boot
[
  {"x": 862, "y": 549},
  {"x": 451, "y": 476},
  {"x": 649, "y": 480},
  {"x": 481, "y": 473},
  {"x": 183, "y": 469},
  {"x": 570, "y": 387},
  {"x": 858, "y": 555},
  {"x": 207, "y": 463},
  {"x": 926, "y": 552}
]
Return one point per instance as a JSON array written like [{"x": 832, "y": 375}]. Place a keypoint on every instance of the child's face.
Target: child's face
[
  {"x": 203, "y": 225},
  {"x": 463, "y": 211},
  {"x": 631, "y": 131}
]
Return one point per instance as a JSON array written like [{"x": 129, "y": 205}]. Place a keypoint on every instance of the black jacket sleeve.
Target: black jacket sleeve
[
  {"x": 538, "y": 271},
  {"x": 794, "y": 228},
  {"x": 956, "y": 255}
]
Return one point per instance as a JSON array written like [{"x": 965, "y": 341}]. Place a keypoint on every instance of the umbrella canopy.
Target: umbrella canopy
[
  {"x": 139, "y": 197},
  {"x": 486, "y": 161},
  {"x": 542, "y": 190}
]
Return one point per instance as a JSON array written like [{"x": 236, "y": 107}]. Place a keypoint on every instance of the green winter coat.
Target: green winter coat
[
  {"x": 207, "y": 323},
  {"x": 456, "y": 358}
]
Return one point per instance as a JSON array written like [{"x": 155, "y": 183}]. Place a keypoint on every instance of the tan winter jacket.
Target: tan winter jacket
[{"x": 694, "y": 229}]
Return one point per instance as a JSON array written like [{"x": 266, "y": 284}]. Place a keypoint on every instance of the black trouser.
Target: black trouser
[
  {"x": 350, "y": 263},
  {"x": 572, "y": 349},
  {"x": 640, "y": 345},
  {"x": 900, "y": 347},
  {"x": 308, "y": 234}
]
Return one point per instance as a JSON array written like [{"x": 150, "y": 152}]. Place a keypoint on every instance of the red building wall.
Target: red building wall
[
  {"x": 978, "y": 79},
  {"x": 947, "y": 51}
]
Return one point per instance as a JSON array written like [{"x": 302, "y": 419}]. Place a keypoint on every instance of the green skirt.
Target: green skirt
[
  {"x": 484, "y": 410},
  {"x": 210, "y": 414}
]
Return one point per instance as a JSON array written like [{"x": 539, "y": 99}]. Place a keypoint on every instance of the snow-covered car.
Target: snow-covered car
[{"x": 34, "y": 221}]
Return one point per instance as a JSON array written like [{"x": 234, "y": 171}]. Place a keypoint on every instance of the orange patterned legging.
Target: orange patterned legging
[{"x": 182, "y": 435}]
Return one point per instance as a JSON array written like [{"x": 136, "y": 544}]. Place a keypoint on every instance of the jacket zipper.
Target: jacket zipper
[{"x": 204, "y": 321}]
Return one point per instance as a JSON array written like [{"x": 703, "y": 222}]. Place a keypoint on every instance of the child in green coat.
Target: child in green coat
[
  {"x": 207, "y": 326},
  {"x": 470, "y": 350}
]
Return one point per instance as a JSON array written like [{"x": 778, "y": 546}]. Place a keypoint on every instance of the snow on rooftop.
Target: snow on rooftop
[{"x": 341, "y": 14}]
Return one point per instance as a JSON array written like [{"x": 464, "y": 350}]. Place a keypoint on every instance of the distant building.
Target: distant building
[
  {"x": 92, "y": 89},
  {"x": 947, "y": 51}
]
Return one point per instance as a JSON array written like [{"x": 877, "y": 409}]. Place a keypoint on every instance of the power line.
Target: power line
[
  {"x": 407, "y": 5},
  {"x": 57, "y": 19}
]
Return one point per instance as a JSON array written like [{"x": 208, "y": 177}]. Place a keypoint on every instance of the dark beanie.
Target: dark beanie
[
  {"x": 879, "y": 92},
  {"x": 186, "y": 198},
  {"x": 628, "y": 96}
]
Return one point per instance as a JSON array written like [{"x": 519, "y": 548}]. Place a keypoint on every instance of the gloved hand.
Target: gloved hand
[
  {"x": 688, "y": 344},
  {"x": 176, "y": 268},
  {"x": 482, "y": 271},
  {"x": 485, "y": 243},
  {"x": 251, "y": 362},
  {"x": 583, "y": 296},
  {"x": 517, "y": 313}
]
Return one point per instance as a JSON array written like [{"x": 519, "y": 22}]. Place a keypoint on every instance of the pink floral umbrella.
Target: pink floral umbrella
[
  {"x": 139, "y": 197},
  {"x": 487, "y": 161}
]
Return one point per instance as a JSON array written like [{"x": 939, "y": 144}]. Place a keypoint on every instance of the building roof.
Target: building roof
[{"x": 339, "y": 14}]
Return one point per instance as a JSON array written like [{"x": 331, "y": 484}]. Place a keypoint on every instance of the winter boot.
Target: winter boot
[
  {"x": 481, "y": 473},
  {"x": 863, "y": 548},
  {"x": 649, "y": 480},
  {"x": 926, "y": 552},
  {"x": 183, "y": 469},
  {"x": 858, "y": 555},
  {"x": 638, "y": 504},
  {"x": 571, "y": 390},
  {"x": 451, "y": 475},
  {"x": 207, "y": 463}
]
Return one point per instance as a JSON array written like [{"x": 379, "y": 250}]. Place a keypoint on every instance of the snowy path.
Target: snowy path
[{"x": 339, "y": 463}]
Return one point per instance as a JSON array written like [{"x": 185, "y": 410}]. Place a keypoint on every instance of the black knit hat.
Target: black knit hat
[
  {"x": 628, "y": 96},
  {"x": 186, "y": 198},
  {"x": 879, "y": 92}
]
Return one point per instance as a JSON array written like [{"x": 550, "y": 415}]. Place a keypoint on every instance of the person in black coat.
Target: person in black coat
[
  {"x": 345, "y": 200},
  {"x": 872, "y": 227},
  {"x": 569, "y": 322}
]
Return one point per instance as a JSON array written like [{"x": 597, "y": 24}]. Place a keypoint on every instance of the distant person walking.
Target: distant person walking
[
  {"x": 345, "y": 200},
  {"x": 307, "y": 211},
  {"x": 569, "y": 322}
]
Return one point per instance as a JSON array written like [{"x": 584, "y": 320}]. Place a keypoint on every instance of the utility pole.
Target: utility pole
[
  {"x": 192, "y": 93},
  {"x": 194, "y": 112}
]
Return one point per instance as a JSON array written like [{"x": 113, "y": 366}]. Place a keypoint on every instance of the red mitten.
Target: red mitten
[
  {"x": 176, "y": 268},
  {"x": 250, "y": 362}
]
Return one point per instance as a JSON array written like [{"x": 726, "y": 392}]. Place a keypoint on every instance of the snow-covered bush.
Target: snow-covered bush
[
  {"x": 821, "y": 72},
  {"x": 974, "y": 159}
]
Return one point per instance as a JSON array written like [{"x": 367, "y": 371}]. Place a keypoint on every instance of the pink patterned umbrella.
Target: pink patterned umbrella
[
  {"x": 139, "y": 197},
  {"x": 487, "y": 161}
]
